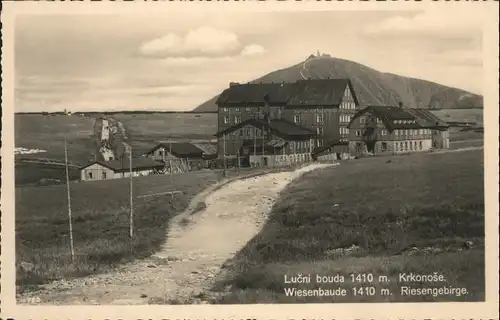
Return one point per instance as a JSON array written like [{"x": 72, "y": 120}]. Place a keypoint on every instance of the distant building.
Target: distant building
[
  {"x": 184, "y": 156},
  {"x": 105, "y": 170},
  {"x": 395, "y": 130},
  {"x": 322, "y": 108}
]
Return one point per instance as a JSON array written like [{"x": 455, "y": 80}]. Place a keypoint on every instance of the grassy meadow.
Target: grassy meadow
[
  {"x": 461, "y": 115},
  {"x": 146, "y": 130},
  {"x": 384, "y": 216},
  {"x": 46, "y": 132},
  {"x": 100, "y": 223}
]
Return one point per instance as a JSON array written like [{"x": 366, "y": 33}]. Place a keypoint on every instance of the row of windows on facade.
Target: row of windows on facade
[
  {"x": 348, "y": 105},
  {"x": 89, "y": 175},
  {"x": 409, "y": 146},
  {"x": 403, "y": 146},
  {"x": 407, "y": 132},
  {"x": 378, "y": 120},
  {"x": 366, "y": 120},
  {"x": 344, "y": 105}
]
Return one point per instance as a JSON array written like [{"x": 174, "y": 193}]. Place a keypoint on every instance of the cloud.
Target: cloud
[
  {"x": 459, "y": 57},
  {"x": 253, "y": 49},
  {"x": 454, "y": 23},
  {"x": 198, "y": 46},
  {"x": 192, "y": 61},
  {"x": 201, "y": 42}
]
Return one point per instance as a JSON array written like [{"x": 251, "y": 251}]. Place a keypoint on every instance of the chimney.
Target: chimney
[
  {"x": 233, "y": 84},
  {"x": 400, "y": 104}
]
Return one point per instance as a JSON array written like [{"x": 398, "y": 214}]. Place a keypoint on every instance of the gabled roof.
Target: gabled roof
[
  {"x": 281, "y": 128},
  {"x": 410, "y": 118},
  {"x": 317, "y": 92},
  {"x": 325, "y": 147},
  {"x": 254, "y": 93},
  {"x": 427, "y": 118},
  {"x": 141, "y": 163},
  {"x": 180, "y": 149},
  {"x": 206, "y": 148}
]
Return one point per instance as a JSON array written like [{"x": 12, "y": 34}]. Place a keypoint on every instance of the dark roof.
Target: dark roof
[
  {"x": 427, "y": 118},
  {"x": 180, "y": 149},
  {"x": 254, "y": 93},
  {"x": 281, "y": 128},
  {"x": 420, "y": 118},
  {"x": 317, "y": 92},
  {"x": 137, "y": 164},
  {"x": 327, "y": 146}
]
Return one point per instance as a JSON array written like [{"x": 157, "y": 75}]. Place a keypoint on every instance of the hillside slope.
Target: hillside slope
[{"x": 372, "y": 87}]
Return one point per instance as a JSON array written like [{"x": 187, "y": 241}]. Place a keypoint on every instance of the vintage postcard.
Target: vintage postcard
[{"x": 249, "y": 160}]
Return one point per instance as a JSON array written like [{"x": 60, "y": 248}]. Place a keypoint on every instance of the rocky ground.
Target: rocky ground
[{"x": 197, "y": 247}]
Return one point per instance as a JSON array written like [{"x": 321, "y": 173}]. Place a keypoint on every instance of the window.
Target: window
[
  {"x": 414, "y": 145},
  {"x": 383, "y": 132},
  {"x": 320, "y": 143},
  {"x": 248, "y": 109},
  {"x": 237, "y": 119},
  {"x": 420, "y": 145},
  {"x": 90, "y": 175},
  {"x": 296, "y": 118},
  {"x": 248, "y": 134},
  {"x": 379, "y": 120},
  {"x": 242, "y": 132},
  {"x": 226, "y": 119},
  {"x": 104, "y": 175},
  {"x": 358, "y": 133},
  {"x": 319, "y": 131},
  {"x": 362, "y": 120},
  {"x": 319, "y": 118},
  {"x": 225, "y": 109},
  {"x": 406, "y": 146},
  {"x": 397, "y": 146},
  {"x": 237, "y": 109},
  {"x": 384, "y": 146}
]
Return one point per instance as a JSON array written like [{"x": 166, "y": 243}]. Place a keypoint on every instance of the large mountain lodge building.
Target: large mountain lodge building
[
  {"x": 268, "y": 123},
  {"x": 263, "y": 122},
  {"x": 396, "y": 130}
]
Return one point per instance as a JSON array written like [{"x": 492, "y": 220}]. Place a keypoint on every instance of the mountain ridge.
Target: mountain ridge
[{"x": 372, "y": 87}]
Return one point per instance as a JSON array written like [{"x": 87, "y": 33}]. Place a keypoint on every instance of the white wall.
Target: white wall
[
  {"x": 280, "y": 160},
  {"x": 97, "y": 173}
]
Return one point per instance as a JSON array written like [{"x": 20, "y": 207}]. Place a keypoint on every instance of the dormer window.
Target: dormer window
[{"x": 296, "y": 118}]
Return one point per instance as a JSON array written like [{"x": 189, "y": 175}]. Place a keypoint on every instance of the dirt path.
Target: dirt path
[{"x": 196, "y": 248}]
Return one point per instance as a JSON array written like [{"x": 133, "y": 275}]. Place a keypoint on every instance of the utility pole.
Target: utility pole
[
  {"x": 171, "y": 167},
  {"x": 254, "y": 143},
  {"x": 238, "y": 160},
  {"x": 263, "y": 141},
  {"x": 131, "y": 224},
  {"x": 274, "y": 155},
  {"x": 224, "y": 158},
  {"x": 69, "y": 201}
]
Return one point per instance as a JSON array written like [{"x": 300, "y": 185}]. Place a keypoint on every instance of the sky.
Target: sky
[{"x": 173, "y": 61}]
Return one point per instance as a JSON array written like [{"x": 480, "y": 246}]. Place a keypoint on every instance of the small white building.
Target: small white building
[{"x": 114, "y": 169}]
